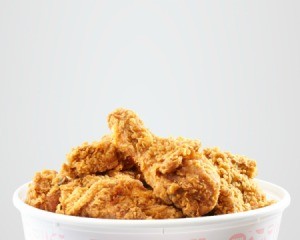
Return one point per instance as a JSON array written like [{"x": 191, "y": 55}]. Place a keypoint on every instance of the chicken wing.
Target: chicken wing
[{"x": 95, "y": 158}]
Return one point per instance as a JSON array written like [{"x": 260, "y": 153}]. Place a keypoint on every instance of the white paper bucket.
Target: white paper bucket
[{"x": 257, "y": 224}]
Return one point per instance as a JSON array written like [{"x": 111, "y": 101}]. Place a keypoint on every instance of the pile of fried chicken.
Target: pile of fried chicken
[{"x": 134, "y": 174}]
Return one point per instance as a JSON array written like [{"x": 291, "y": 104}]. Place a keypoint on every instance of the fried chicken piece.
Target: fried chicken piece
[
  {"x": 94, "y": 158},
  {"x": 118, "y": 197},
  {"x": 172, "y": 167},
  {"x": 238, "y": 191},
  {"x": 133, "y": 173},
  {"x": 44, "y": 192}
]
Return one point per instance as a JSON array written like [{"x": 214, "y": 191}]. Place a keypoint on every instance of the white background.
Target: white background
[{"x": 226, "y": 72}]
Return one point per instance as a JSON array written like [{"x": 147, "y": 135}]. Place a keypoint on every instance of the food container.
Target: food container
[{"x": 256, "y": 224}]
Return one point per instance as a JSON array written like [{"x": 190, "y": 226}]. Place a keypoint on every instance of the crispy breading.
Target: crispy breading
[
  {"x": 172, "y": 167},
  {"x": 118, "y": 197},
  {"x": 238, "y": 192},
  {"x": 94, "y": 158},
  {"x": 133, "y": 173},
  {"x": 43, "y": 191}
]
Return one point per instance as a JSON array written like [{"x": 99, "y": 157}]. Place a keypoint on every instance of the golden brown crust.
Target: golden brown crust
[
  {"x": 170, "y": 166},
  {"x": 44, "y": 192},
  {"x": 118, "y": 197},
  {"x": 238, "y": 191},
  {"x": 94, "y": 158}
]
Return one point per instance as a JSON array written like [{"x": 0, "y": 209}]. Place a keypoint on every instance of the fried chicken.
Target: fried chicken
[
  {"x": 238, "y": 191},
  {"x": 44, "y": 191},
  {"x": 134, "y": 174},
  {"x": 95, "y": 158},
  {"x": 172, "y": 167},
  {"x": 118, "y": 197}
]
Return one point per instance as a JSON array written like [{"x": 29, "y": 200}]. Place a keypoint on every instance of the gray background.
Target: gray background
[{"x": 226, "y": 73}]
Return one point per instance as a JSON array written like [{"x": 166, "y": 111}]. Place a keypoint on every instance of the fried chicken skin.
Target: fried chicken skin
[
  {"x": 44, "y": 190},
  {"x": 172, "y": 167},
  {"x": 93, "y": 158},
  {"x": 238, "y": 191},
  {"x": 134, "y": 173},
  {"x": 118, "y": 197}
]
